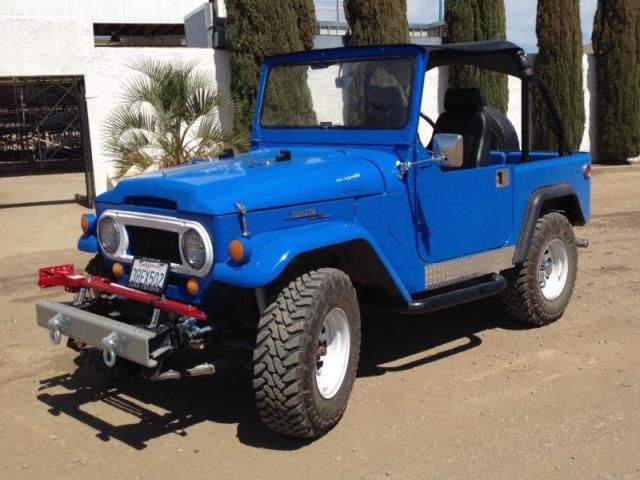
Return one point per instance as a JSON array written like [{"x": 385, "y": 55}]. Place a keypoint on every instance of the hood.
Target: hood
[{"x": 255, "y": 179}]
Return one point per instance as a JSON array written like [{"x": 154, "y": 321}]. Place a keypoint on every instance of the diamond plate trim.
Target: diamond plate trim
[{"x": 441, "y": 274}]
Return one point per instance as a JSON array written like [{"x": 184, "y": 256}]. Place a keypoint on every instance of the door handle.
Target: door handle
[{"x": 502, "y": 178}]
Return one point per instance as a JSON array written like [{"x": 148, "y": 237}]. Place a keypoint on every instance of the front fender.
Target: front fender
[
  {"x": 273, "y": 251},
  {"x": 88, "y": 243}
]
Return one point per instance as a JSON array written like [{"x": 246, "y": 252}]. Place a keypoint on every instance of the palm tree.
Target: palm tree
[{"x": 169, "y": 115}]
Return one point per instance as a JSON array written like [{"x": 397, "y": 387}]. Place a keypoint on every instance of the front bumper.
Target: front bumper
[{"x": 113, "y": 337}]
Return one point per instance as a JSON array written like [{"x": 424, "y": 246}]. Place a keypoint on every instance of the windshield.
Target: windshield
[{"x": 352, "y": 94}]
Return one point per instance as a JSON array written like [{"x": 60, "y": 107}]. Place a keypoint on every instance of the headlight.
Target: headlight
[
  {"x": 193, "y": 249},
  {"x": 108, "y": 234}
]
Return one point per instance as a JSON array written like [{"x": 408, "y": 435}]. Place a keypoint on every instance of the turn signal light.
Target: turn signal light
[
  {"x": 88, "y": 222},
  {"x": 236, "y": 250},
  {"x": 192, "y": 286},
  {"x": 586, "y": 171},
  {"x": 239, "y": 250},
  {"x": 117, "y": 270}
]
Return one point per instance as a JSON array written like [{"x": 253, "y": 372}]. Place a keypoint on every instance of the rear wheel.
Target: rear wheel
[
  {"x": 306, "y": 354},
  {"x": 540, "y": 288}
]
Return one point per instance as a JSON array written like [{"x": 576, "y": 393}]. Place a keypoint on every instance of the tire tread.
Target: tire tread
[
  {"x": 519, "y": 300},
  {"x": 282, "y": 397}
]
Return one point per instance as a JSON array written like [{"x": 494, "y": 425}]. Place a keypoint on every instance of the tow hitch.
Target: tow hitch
[
  {"x": 65, "y": 276},
  {"x": 143, "y": 345},
  {"x": 582, "y": 242}
]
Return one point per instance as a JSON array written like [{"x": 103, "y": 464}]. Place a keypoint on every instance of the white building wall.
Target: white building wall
[
  {"x": 38, "y": 46},
  {"x": 590, "y": 83},
  {"x": 432, "y": 100},
  {"x": 105, "y": 11},
  {"x": 514, "y": 107}
]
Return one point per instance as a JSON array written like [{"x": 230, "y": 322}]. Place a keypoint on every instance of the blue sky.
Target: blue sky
[{"x": 521, "y": 17}]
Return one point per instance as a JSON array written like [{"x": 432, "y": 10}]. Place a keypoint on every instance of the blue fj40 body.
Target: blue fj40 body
[{"x": 329, "y": 208}]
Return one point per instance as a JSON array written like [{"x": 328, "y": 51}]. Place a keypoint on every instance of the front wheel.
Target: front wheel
[
  {"x": 306, "y": 355},
  {"x": 540, "y": 288}
]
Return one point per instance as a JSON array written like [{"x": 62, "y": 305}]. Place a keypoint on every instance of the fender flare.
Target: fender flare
[
  {"x": 536, "y": 201},
  {"x": 88, "y": 243},
  {"x": 271, "y": 252}
]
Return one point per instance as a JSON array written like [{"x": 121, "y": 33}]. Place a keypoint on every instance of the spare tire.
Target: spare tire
[{"x": 503, "y": 134}]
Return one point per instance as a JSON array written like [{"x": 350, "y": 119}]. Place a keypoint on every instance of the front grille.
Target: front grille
[{"x": 153, "y": 243}]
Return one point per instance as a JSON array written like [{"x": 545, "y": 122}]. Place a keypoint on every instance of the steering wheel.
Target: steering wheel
[
  {"x": 429, "y": 121},
  {"x": 433, "y": 125}
]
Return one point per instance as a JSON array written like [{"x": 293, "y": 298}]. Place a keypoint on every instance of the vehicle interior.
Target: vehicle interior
[{"x": 488, "y": 136}]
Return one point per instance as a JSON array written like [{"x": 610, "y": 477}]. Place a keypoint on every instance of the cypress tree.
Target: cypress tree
[
  {"x": 474, "y": 20},
  {"x": 616, "y": 46},
  {"x": 559, "y": 64},
  {"x": 256, "y": 29},
  {"x": 375, "y": 22}
]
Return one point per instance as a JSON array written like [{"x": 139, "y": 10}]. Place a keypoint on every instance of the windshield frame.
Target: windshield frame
[
  {"x": 343, "y": 61},
  {"x": 343, "y": 137}
]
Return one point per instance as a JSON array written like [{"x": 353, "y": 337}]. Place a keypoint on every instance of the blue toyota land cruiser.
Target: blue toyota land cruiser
[{"x": 261, "y": 259}]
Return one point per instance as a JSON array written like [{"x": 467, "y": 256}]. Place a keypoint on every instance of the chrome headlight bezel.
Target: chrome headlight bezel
[
  {"x": 124, "y": 219},
  {"x": 192, "y": 239},
  {"x": 109, "y": 245}
]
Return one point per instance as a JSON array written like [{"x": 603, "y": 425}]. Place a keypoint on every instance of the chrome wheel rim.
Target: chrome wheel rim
[
  {"x": 332, "y": 358},
  {"x": 553, "y": 269}
]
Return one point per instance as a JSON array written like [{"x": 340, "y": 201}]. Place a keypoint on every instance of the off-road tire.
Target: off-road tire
[
  {"x": 284, "y": 359},
  {"x": 523, "y": 299},
  {"x": 503, "y": 133}
]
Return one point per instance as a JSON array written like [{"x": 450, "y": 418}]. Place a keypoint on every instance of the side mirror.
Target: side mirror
[{"x": 448, "y": 149}]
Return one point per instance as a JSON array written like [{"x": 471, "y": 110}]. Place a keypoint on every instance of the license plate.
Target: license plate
[{"x": 149, "y": 275}]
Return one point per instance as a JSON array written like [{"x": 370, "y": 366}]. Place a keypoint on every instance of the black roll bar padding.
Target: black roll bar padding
[
  {"x": 555, "y": 116},
  {"x": 526, "y": 127}
]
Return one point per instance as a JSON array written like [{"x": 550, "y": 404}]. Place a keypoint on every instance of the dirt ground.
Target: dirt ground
[{"x": 459, "y": 394}]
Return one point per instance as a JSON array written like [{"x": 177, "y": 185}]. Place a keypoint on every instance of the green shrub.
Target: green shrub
[
  {"x": 616, "y": 45},
  {"x": 374, "y": 22},
  {"x": 169, "y": 115},
  {"x": 559, "y": 64},
  {"x": 474, "y": 20},
  {"x": 255, "y": 30}
]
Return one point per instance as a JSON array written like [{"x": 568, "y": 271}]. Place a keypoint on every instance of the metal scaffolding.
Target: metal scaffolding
[{"x": 42, "y": 122}]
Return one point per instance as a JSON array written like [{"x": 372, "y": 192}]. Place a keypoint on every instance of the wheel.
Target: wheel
[
  {"x": 503, "y": 133},
  {"x": 97, "y": 266},
  {"x": 306, "y": 354},
  {"x": 539, "y": 289}
]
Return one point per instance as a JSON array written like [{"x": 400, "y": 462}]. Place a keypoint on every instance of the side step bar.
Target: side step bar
[{"x": 491, "y": 287}]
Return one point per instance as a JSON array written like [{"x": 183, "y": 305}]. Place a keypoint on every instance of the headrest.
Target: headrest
[
  {"x": 463, "y": 100},
  {"x": 386, "y": 97}
]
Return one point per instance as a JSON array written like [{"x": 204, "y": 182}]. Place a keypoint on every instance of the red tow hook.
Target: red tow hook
[{"x": 65, "y": 276}]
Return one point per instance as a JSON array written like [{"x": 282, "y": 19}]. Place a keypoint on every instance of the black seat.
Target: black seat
[
  {"x": 465, "y": 116},
  {"x": 387, "y": 107}
]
